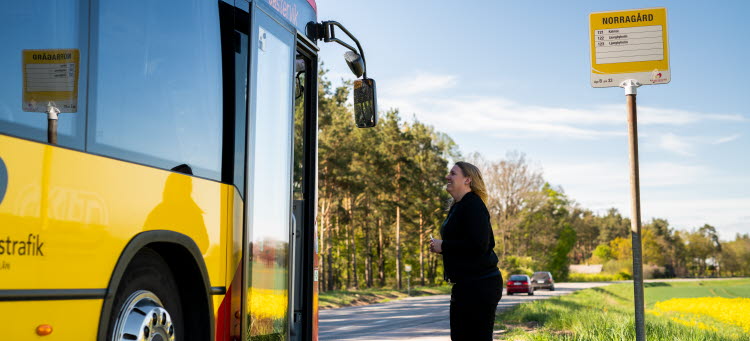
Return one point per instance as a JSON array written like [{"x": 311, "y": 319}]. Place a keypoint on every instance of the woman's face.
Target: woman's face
[{"x": 457, "y": 182}]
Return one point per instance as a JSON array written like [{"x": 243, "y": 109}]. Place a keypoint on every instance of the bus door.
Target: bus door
[
  {"x": 304, "y": 251},
  {"x": 269, "y": 172}
]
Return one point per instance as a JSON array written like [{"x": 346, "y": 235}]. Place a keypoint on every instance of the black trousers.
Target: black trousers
[{"x": 473, "y": 305}]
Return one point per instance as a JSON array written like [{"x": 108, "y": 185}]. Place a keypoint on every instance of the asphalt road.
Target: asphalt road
[{"x": 415, "y": 318}]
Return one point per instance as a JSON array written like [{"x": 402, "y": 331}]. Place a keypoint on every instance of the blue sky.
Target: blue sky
[{"x": 501, "y": 76}]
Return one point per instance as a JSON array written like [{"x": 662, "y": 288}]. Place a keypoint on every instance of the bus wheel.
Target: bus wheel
[{"x": 147, "y": 305}]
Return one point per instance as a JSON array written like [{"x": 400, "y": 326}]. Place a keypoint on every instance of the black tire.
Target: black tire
[{"x": 148, "y": 272}]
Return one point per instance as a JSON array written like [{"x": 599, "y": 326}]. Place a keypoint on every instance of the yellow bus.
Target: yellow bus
[{"x": 158, "y": 168}]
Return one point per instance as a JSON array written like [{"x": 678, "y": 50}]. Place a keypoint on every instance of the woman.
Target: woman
[{"x": 469, "y": 261}]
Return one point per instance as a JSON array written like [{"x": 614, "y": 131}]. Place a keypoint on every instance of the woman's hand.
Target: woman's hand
[{"x": 436, "y": 245}]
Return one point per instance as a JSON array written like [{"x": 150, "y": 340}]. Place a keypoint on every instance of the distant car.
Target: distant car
[
  {"x": 519, "y": 284},
  {"x": 543, "y": 280}
]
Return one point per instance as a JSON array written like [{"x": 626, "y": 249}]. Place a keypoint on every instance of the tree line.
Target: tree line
[{"x": 381, "y": 194}]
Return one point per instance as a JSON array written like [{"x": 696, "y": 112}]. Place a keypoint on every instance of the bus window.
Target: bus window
[
  {"x": 240, "y": 118},
  {"x": 54, "y": 28},
  {"x": 156, "y": 97},
  {"x": 235, "y": 26}
]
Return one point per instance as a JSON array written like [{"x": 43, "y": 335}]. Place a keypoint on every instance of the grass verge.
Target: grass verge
[
  {"x": 345, "y": 298},
  {"x": 606, "y": 313}
]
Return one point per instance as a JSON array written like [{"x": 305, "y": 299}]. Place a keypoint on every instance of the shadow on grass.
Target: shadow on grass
[
  {"x": 527, "y": 313},
  {"x": 560, "y": 289},
  {"x": 609, "y": 293}
]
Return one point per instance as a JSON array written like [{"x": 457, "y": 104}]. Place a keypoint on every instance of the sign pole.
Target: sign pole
[
  {"x": 52, "y": 113},
  {"x": 630, "y": 48},
  {"x": 630, "y": 87}
]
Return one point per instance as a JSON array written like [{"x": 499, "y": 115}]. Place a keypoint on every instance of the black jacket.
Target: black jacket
[{"x": 468, "y": 242}]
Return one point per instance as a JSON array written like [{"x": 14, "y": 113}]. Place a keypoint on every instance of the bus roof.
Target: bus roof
[{"x": 297, "y": 12}]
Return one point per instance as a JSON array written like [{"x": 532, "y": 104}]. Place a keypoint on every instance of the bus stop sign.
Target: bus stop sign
[{"x": 629, "y": 44}]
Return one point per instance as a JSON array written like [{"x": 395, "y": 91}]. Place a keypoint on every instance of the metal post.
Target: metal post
[
  {"x": 630, "y": 86},
  {"x": 52, "y": 112}
]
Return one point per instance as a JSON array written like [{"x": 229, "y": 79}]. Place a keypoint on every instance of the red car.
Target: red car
[{"x": 519, "y": 284}]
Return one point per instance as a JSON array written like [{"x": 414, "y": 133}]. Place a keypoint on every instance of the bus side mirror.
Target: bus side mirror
[
  {"x": 365, "y": 100},
  {"x": 365, "y": 103}
]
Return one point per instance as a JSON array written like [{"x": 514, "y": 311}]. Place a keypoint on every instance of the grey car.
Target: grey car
[{"x": 543, "y": 280}]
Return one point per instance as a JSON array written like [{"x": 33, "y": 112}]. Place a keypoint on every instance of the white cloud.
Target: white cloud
[
  {"x": 419, "y": 84},
  {"x": 604, "y": 177},
  {"x": 502, "y": 117},
  {"x": 727, "y": 139},
  {"x": 498, "y": 116},
  {"x": 675, "y": 144}
]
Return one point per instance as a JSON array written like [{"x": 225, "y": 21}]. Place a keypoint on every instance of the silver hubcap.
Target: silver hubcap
[{"x": 143, "y": 318}]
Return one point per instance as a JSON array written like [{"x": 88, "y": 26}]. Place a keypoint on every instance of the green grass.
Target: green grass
[
  {"x": 606, "y": 313},
  {"x": 661, "y": 291},
  {"x": 344, "y": 298}
]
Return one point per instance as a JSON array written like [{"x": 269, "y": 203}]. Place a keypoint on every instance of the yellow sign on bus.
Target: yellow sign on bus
[
  {"x": 629, "y": 44},
  {"x": 50, "y": 77}
]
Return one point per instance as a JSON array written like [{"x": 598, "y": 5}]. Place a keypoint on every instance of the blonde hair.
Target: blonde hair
[{"x": 477, "y": 183}]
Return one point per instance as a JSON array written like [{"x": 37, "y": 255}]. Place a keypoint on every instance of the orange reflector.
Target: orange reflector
[{"x": 44, "y": 329}]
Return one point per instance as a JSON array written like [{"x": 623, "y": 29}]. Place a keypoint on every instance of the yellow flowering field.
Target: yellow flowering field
[
  {"x": 267, "y": 311},
  {"x": 268, "y": 303},
  {"x": 734, "y": 311}
]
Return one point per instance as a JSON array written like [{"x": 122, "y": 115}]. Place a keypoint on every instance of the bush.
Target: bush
[
  {"x": 617, "y": 266},
  {"x": 576, "y": 277},
  {"x": 602, "y": 253},
  {"x": 653, "y": 271},
  {"x": 512, "y": 265}
]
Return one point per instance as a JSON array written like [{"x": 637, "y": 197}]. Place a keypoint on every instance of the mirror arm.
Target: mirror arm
[
  {"x": 336, "y": 40},
  {"x": 330, "y": 36}
]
